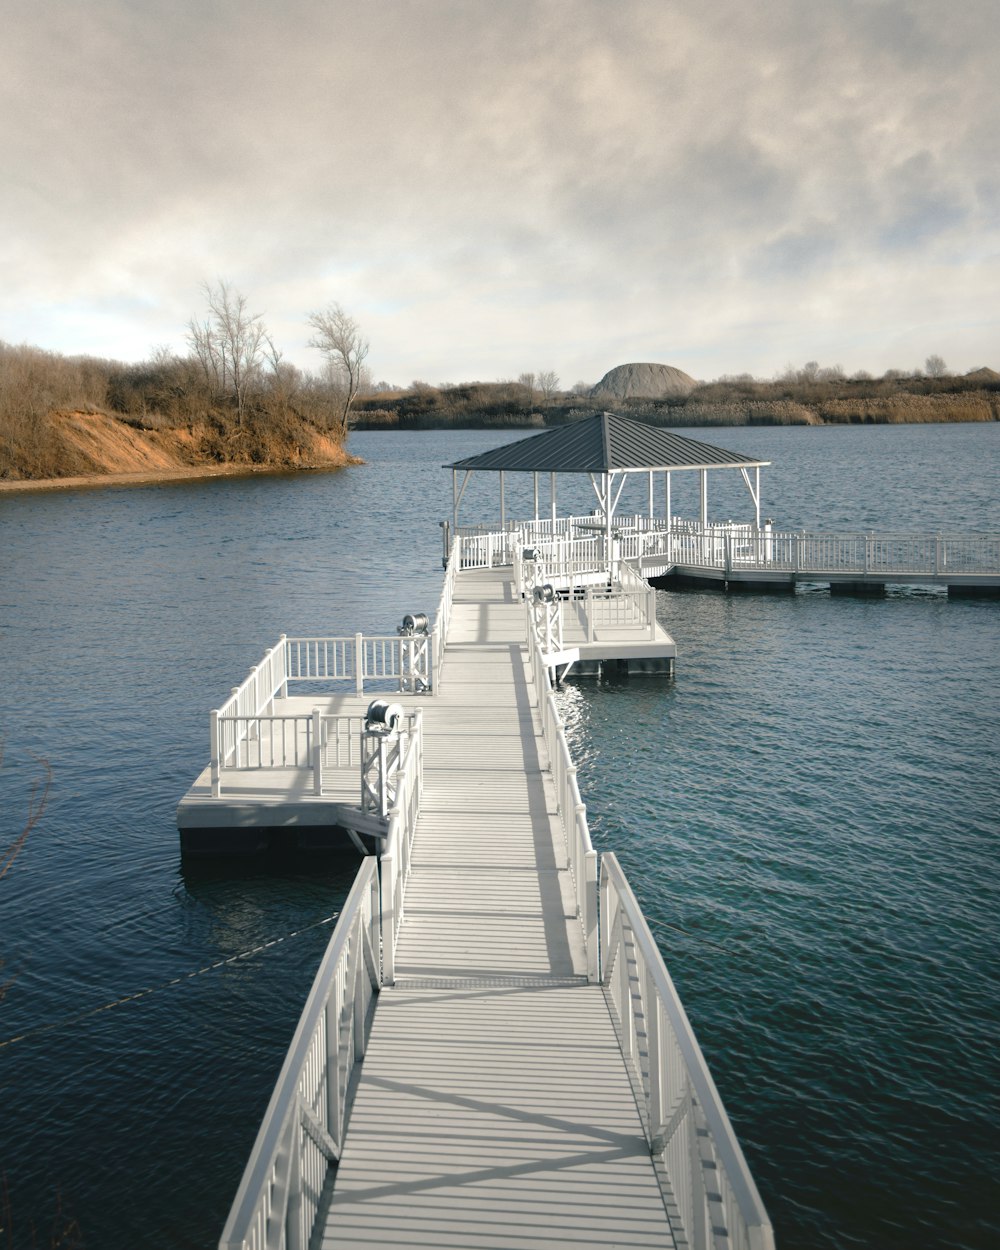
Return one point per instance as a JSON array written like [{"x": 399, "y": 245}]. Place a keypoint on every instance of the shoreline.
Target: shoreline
[{"x": 93, "y": 481}]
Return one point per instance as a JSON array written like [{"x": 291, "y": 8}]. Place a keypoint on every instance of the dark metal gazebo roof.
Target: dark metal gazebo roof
[{"x": 605, "y": 443}]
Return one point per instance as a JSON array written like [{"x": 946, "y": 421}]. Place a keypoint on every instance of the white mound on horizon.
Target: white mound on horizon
[{"x": 643, "y": 381}]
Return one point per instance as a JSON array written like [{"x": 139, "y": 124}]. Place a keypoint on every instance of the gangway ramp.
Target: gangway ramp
[{"x": 494, "y": 1107}]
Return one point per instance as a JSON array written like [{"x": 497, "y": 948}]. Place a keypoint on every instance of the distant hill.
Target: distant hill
[
  {"x": 643, "y": 381},
  {"x": 982, "y": 376}
]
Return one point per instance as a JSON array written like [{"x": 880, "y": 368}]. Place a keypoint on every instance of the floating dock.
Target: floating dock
[{"x": 493, "y": 1053}]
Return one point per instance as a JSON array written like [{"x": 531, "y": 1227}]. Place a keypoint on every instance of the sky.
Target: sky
[{"x": 498, "y": 186}]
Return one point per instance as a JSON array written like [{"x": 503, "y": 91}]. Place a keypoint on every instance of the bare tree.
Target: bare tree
[
  {"x": 548, "y": 384},
  {"x": 338, "y": 336},
  {"x": 935, "y": 367},
  {"x": 230, "y": 344}
]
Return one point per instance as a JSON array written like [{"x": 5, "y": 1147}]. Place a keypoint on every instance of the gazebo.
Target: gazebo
[{"x": 607, "y": 447}]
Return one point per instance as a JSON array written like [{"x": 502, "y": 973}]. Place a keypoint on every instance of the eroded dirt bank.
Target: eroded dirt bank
[{"x": 99, "y": 450}]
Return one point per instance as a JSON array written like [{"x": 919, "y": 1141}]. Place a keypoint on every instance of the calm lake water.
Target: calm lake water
[{"x": 809, "y": 814}]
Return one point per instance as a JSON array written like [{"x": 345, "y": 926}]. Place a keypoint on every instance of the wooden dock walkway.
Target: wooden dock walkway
[{"x": 494, "y": 1107}]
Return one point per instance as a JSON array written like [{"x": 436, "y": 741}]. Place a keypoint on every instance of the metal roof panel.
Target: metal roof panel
[{"x": 604, "y": 443}]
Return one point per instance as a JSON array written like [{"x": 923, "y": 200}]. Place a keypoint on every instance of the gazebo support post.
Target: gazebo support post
[
  {"x": 503, "y": 510},
  {"x": 667, "y": 493},
  {"x": 703, "y": 475},
  {"x": 754, "y": 489},
  {"x": 534, "y": 478},
  {"x": 552, "y": 491},
  {"x": 456, "y": 497},
  {"x": 651, "y": 494},
  {"x": 607, "y": 524}
]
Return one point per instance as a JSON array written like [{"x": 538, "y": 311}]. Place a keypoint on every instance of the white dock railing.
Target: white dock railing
[
  {"x": 403, "y": 660},
  {"x": 582, "y": 856},
  {"x": 718, "y": 1202},
  {"x": 581, "y": 583},
  {"x": 397, "y": 851},
  {"x": 738, "y": 548},
  {"x": 443, "y": 616},
  {"x": 245, "y": 733},
  {"x": 277, "y": 1203}
]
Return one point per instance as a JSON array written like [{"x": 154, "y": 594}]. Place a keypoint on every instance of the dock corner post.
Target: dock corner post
[
  {"x": 283, "y": 644},
  {"x": 359, "y": 663},
  {"x": 215, "y": 749},
  {"x": 317, "y": 746}
]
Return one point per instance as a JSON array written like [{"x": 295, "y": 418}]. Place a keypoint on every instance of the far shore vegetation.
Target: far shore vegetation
[{"x": 234, "y": 401}]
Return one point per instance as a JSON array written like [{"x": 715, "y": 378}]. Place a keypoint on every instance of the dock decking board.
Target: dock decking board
[{"x": 494, "y": 1108}]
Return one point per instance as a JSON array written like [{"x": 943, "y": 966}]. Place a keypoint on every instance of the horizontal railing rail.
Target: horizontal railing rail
[
  {"x": 686, "y": 1124},
  {"x": 279, "y": 1197}
]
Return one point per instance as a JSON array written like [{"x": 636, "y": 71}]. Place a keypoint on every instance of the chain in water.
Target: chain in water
[{"x": 166, "y": 985}]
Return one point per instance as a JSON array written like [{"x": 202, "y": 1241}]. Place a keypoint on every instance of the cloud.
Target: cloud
[{"x": 561, "y": 183}]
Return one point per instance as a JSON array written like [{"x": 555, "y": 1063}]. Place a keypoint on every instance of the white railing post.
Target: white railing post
[
  {"x": 651, "y": 1010},
  {"x": 388, "y": 919},
  {"x": 359, "y": 663},
  {"x": 331, "y": 1026},
  {"x": 317, "y": 750},
  {"x": 215, "y": 747},
  {"x": 283, "y": 667},
  {"x": 590, "y": 916}
]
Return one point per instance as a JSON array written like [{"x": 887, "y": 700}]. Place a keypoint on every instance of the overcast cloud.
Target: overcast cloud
[{"x": 492, "y": 187}]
